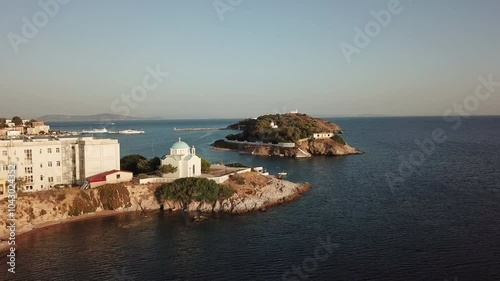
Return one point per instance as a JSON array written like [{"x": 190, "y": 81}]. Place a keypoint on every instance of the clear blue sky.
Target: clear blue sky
[{"x": 265, "y": 56}]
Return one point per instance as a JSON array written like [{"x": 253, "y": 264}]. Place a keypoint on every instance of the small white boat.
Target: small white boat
[
  {"x": 131, "y": 132},
  {"x": 282, "y": 173},
  {"x": 95, "y": 131}
]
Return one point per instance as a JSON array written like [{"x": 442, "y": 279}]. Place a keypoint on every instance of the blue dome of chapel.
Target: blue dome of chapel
[{"x": 179, "y": 145}]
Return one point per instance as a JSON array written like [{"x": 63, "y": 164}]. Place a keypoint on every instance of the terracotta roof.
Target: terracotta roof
[{"x": 102, "y": 176}]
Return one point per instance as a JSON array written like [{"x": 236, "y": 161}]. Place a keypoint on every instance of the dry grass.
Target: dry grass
[{"x": 252, "y": 181}]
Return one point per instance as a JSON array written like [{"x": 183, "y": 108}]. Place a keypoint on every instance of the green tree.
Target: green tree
[
  {"x": 186, "y": 190},
  {"x": 17, "y": 120},
  {"x": 205, "y": 165},
  {"x": 166, "y": 169},
  {"x": 154, "y": 163},
  {"x": 130, "y": 163},
  {"x": 30, "y": 123},
  {"x": 143, "y": 166},
  {"x": 3, "y": 122}
]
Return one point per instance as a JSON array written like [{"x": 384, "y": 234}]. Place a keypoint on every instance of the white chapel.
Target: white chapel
[{"x": 184, "y": 158}]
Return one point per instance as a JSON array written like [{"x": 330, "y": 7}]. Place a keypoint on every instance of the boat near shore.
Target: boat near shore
[
  {"x": 131, "y": 132},
  {"x": 95, "y": 131}
]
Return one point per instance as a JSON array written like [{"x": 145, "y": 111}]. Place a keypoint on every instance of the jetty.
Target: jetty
[{"x": 199, "y": 129}]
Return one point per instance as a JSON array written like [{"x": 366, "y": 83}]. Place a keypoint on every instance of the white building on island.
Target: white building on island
[
  {"x": 184, "y": 158},
  {"x": 323, "y": 135}
]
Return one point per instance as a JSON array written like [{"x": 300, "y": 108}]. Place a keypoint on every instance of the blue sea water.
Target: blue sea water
[{"x": 440, "y": 220}]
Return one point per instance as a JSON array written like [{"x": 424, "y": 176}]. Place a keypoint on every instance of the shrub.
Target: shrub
[
  {"x": 237, "y": 178},
  {"x": 166, "y": 169},
  {"x": 237, "y": 165},
  {"x": 31, "y": 213},
  {"x": 114, "y": 196},
  {"x": 82, "y": 204},
  {"x": 142, "y": 176},
  {"x": 186, "y": 190},
  {"x": 205, "y": 165},
  {"x": 338, "y": 139},
  {"x": 240, "y": 181}
]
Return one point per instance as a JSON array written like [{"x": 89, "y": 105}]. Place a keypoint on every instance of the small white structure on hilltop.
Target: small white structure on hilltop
[
  {"x": 273, "y": 125},
  {"x": 323, "y": 135},
  {"x": 184, "y": 158},
  {"x": 294, "y": 111}
]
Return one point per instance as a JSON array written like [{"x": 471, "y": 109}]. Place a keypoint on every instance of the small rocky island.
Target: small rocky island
[{"x": 286, "y": 135}]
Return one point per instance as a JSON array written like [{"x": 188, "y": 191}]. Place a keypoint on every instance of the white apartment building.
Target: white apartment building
[{"x": 45, "y": 163}]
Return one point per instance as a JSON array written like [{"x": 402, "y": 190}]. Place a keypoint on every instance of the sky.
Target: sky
[{"x": 244, "y": 58}]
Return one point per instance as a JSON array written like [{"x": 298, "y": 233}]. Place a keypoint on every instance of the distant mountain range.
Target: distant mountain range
[{"x": 95, "y": 117}]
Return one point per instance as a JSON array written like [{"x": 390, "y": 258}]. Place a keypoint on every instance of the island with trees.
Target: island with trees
[{"x": 288, "y": 135}]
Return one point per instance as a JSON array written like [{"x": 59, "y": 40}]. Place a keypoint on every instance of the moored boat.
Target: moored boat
[
  {"x": 95, "y": 131},
  {"x": 131, "y": 132}
]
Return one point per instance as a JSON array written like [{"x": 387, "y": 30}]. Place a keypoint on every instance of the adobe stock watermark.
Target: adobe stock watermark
[
  {"x": 363, "y": 37},
  {"x": 11, "y": 211},
  {"x": 320, "y": 254},
  {"x": 454, "y": 115},
  {"x": 223, "y": 6},
  {"x": 31, "y": 27},
  {"x": 150, "y": 82}
]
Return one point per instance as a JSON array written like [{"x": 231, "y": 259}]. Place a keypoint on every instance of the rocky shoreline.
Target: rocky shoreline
[
  {"x": 44, "y": 209},
  {"x": 319, "y": 147}
]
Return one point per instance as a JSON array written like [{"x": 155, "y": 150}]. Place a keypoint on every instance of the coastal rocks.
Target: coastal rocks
[
  {"x": 275, "y": 193},
  {"x": 42, "y": 209},
  {"x": 329, "y": 147}
]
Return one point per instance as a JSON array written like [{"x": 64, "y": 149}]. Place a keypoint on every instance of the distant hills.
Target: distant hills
[{"x": 95, "y": 117}]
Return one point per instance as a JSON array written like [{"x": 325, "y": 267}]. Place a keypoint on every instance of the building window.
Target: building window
[
  {"x": 118, "y": 176},
  {"x": 4, "y": 153},
  {"x": 41, "y": 165},
  {"x": 28, "y": 156},
  {"x": 57, "y": 150},
  {"x": 28, "y": 170},
  {"x": 5, "y": 167},
  {"x": 49, "y": 150},
  {"x": 51, "y": 179},
  {"x": 41, "y": 151},
  {"x": 28, "y": 178},
  {"x": 58, "y": 163},
  {"x": 49, "y": 164}
]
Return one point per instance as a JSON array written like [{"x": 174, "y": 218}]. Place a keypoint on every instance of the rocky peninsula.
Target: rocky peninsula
[
  {"x": 247, "y": 192},
  {"x": 286, "y": 135}
]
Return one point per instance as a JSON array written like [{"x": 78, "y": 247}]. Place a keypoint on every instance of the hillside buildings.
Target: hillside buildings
[
  {"x": 51, "y": 162},
  {"x": 28, "y": 128}
]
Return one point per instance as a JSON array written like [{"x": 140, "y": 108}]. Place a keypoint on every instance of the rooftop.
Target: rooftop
[{"x": 179, "y": 145}]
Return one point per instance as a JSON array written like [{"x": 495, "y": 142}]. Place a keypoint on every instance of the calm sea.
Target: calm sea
[{"x": 440, "y": 220}]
